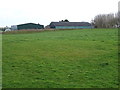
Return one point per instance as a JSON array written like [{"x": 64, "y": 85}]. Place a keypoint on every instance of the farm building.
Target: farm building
[
  {"x": 27, "y": 26},
  {"x": 70, "y": 25}
]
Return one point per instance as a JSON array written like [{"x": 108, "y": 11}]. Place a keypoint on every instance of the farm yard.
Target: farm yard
[{"x": 85, "y": 58}]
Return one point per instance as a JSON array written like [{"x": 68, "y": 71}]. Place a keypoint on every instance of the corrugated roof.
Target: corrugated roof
[
  {"x": 70, "y": 24},
  {"x": 28, "y": 24}
]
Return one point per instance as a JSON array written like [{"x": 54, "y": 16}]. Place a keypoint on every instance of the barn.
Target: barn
[
  {"x": 70, "y": 25},
  {"x": 27, "y": 26},
  {"x": 30, "y": 26}
]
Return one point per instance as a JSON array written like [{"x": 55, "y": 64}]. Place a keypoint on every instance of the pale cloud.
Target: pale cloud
[{"x": 44, "y": 11}]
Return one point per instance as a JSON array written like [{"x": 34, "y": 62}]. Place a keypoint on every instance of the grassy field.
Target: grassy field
[
  {"x": 0, "y": 61},
  {"x": 61, "y": 59}
]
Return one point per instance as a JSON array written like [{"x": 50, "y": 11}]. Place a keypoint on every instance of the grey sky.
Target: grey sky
[{"x": 15, "y": 12}]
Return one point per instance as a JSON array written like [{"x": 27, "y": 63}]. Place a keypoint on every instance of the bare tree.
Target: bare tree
[
  {"x": 98, "y": 21},
  {"x": 117, "y": 19},
  {"x": 106, "y": 20}
]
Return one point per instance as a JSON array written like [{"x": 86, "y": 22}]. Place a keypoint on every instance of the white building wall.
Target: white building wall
[{"x": 14, "y": 27}]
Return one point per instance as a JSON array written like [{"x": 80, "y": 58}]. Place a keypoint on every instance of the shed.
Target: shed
[
  {"x": 30, "y": 26},
  {"x": 70, "y": 25}
]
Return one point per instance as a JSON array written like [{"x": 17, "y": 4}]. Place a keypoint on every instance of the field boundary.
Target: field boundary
[{"x": 33, "y": 31}]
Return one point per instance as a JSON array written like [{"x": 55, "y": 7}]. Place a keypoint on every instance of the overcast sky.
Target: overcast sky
[{"x": 14, "y": 12}]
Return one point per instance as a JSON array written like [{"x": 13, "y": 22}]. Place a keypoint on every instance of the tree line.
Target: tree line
[{"x": 107, "y": 20}]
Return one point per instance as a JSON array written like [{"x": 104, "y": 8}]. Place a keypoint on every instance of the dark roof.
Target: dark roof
[
  {"x": 29, "y": 24},
  {"x": 70, "y": 24}
]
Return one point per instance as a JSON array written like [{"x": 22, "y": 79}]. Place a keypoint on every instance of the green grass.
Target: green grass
[
  {"x": 61, "y": 59},
  {"x": 0, "y": 61}
]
